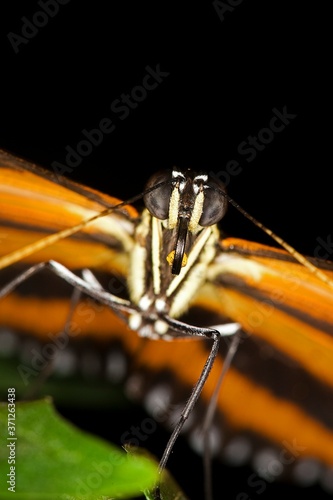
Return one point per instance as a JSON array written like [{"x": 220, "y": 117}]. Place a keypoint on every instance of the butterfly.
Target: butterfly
[{"x": 173, "y": 276}]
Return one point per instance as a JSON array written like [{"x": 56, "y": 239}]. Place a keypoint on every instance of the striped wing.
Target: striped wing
[
  {"x": 33, "y": 204},
  {"x": 278, "y": 392},
  {"x": 280, "y": 387}
]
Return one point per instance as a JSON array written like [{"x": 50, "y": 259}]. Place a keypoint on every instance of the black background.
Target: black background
[{"x": 225, "y": 77}]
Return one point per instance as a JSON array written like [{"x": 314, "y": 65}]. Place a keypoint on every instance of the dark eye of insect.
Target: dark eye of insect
[
  {"x": 157, "y": 201},
  {"x": 215, "y": 203}
]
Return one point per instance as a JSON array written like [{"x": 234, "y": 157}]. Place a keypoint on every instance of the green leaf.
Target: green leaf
[
  {"x": 168, "y": 487},
  {"x": 54, "y": 460}
]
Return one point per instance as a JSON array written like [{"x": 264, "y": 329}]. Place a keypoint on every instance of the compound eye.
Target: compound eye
[
  {"x": 215, "y": 203},
  {"x": 157, "y": 201}
]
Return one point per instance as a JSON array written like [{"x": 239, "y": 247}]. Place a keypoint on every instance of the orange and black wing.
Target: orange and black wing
[
  {"x": 35, "y": 204},
  {"x": 277, "y": 394},
  {"x": 280, "y": 387}
]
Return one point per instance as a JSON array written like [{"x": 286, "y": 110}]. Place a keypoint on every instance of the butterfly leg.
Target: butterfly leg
[
  {"x": 232, "y": 349},
  {"x": 88, "y": 284},
  {"x": 92, "y": 289},
  {"x": 184, "y": 330},
  {"x": 48, "y": 368}
]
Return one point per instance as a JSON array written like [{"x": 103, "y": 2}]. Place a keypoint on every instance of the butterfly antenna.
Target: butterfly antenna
[
  {"x": 42, "y": 243},
  {"x": 291, "y": 250},
  {"x": 23, "y": 252}
]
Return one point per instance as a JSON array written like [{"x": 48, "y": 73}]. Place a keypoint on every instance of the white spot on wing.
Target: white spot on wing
[
  {"x": 197, "y": 441},
  {"x": 65, "y": 362},
  {"x": 116, "y": 366},
  {"x": 307, "y": 471},
  {"x": 267, "y": 464},
  {"x": 238, "y": 451},
  {"x": 8, "y": 342},
  {"x": 158, "y": 399}
]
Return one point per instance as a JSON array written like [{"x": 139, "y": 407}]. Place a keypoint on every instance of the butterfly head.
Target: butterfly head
[{"x": 187, "y": 201}]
